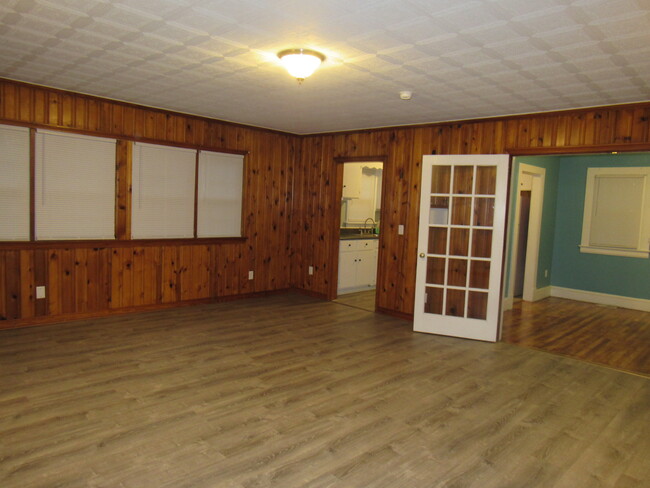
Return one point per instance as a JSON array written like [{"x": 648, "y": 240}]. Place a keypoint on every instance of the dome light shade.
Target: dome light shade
[{"x": 300, "y": 63}]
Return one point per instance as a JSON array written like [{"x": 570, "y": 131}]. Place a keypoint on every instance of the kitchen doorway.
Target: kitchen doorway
[{"x": 358, "y": 233}]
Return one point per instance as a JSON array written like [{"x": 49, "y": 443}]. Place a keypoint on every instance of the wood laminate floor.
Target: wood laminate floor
[
  {"x": 615, "y": 337},
  {"x": 288, "y": 391},
  {"x": 365, "y": 300}
]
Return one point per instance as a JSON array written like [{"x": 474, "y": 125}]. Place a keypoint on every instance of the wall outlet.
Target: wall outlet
[
  {"x": 546, "y": 273},
  {"x": 251, "y": 275},
  {"x": 400, "y": 229},
  {"x": 40, "y": 292},
  {"x": 311, "y": 270}
]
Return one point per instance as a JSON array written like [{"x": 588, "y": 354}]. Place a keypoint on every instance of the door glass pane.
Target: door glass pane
[
  {"x": 484, "y": 212},
  {"x": 463, "y": 179},
  {"x": 459, "y": 242},
  {"x": 440, "y": 179},
  {"x": 437, "y": 240},
  {"x": 482, "y": 243},
  {"x": 439, "y": 211},
  {"x": 462, "y": 210},
  {"x": 479, "y": 274},
  {"x": 455, "y": 303},
  {"x": 477, "y": 305},
  {"x": 433, "y": 300},
  {"x": 457, "y": 274},
  {"x": 486, "y": 180},
  {"x": 435, "y": 271}
]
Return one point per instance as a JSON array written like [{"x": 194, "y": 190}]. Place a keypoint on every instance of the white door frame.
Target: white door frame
[{"x": 531, "y": 292}]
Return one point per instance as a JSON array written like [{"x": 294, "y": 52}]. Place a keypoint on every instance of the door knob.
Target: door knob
[{"x": 422, "y": 254}]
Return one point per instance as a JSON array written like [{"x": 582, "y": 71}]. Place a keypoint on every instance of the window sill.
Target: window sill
[
  {"x": 70, "y": 244},
  {"x": 613, "y": 251}
]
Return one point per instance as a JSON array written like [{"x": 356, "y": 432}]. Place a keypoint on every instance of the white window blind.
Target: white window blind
[
  {"x": 14, "y": 183},
  {"x": 75, "y": 186},
  {"x": 163, "y": 192},
  {"x": 616, "y": 217},
  {"x": 617, "y": 211},
  {"x": 220, "y": 194}
]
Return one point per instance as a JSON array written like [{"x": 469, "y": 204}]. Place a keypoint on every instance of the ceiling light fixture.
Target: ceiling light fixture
[{"x": 300, "y": 63}]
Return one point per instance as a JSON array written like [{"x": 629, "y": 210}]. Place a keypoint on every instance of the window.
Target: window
[
  {"x": 617, "y": 212},
  {"x": 219, "y": 207},
  {"x": 74, "y": 186},
  {"x": 14, "y": 183},
  {"x": 163, "y": 192}
]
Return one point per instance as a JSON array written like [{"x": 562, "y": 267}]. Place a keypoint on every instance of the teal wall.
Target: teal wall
[
  {"x": 546, "y": 245},
  {"x": 616, "y": 275}
]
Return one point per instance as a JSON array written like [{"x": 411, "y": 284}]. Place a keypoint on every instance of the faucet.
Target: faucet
[{"x": 374, "y": 224}]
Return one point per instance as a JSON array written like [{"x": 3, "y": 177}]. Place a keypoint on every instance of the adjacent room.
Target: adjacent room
[{"x": 314, "y": 244}]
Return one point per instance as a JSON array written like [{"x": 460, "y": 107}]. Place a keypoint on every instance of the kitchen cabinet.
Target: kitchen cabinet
[
  {"x": 357, "y": 265},
  {"x": 351, "y": 180}
]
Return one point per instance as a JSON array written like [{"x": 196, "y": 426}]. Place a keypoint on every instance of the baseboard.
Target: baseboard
[
  {"x": 80, "y": 316},
  {"x": 508, "y": 303},
  {"x": 309, "y": 293},
  {"x": 541, "y": 293},
  {"x": 395, "y": 313},
  {"x": 601, "y": 298}
]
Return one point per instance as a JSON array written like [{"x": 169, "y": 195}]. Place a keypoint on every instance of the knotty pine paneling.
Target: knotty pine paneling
[
  {"x": 85, "y": 279},
  {"x": 290, "y": 203},
  {"x": 313, "y": 227}
]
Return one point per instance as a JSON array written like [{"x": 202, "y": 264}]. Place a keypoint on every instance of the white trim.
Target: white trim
[
  {"x": 534, "y": 234},
  {"x": 508, "y": 303},
  {"x": 541, "y": 293},
  {"x": 601, "y": 298},
  {"x": 610, "y": 251},
  {"x": 534, "y": 229}
]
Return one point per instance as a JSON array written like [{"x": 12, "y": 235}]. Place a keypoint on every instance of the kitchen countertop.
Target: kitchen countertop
[{"x": 359, "y": 237}]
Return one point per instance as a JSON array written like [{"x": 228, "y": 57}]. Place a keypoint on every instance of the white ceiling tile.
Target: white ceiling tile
[{"x": 464, "y": 59}]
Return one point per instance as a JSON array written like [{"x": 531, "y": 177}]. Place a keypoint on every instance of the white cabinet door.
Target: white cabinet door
[
  {"x": 347, "y": 270},
  {"x": 365, "y": 268},
  {"x": 351, "y": 180}
]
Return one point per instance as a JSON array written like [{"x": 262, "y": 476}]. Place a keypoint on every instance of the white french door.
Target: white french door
[{"x": 460, "y": 245}]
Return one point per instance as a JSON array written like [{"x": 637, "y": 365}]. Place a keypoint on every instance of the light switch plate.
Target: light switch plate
[
  {"x": 400, "y": 229},
  {"x": 40, "y": 292},
  {"x": 251, "y": 275},
  {"x": 311, "y": 270}
]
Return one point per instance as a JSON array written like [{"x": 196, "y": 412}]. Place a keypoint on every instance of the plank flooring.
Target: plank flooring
[
  {"x": 289, "y": 391},
  {"x": 365, "y": 300},
  {"x": 615, "y": 337}
]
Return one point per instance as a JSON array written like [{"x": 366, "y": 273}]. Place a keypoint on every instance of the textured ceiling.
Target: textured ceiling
[{"x": 462, "y": 59}]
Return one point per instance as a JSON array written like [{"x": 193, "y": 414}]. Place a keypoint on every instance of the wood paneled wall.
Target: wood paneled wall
[
  {"x": 103, "y": 277},
  {"x": 287, "y": 230},
  {"x": 314, "y": 231}
]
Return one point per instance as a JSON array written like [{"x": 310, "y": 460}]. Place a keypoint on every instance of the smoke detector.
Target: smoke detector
[{"x": 405, "y": 94}]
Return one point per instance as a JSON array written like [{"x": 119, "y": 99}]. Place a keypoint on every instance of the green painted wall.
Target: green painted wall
[
  {"x": 546, "y": 247},
  {"x": 614, "y": 275}
]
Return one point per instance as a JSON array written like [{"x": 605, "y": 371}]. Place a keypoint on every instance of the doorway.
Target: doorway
[
  {"x": 359, "y": 232},
  {"x": 527, "y": 232},
  {"x": 585, "y": 305}
]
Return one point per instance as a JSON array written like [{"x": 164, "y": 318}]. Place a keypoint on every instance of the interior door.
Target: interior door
[{"x": 460, "y": 245}]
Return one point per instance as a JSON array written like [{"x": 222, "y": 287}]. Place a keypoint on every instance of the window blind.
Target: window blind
[
  {"x": 220, "y": 194},
  {"x": 163, "y": 192},
  {"x": 14, "y": 183},
  {"x": 75, "y": 186}
]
